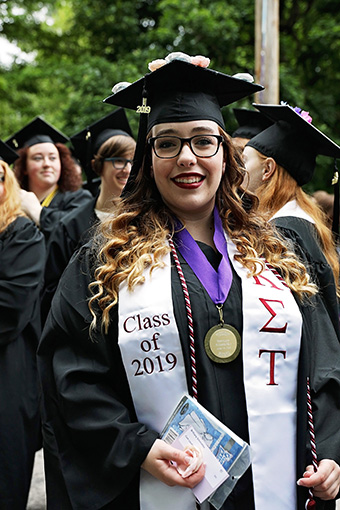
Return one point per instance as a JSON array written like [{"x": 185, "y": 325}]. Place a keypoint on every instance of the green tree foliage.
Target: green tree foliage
[{"x": 83, "y": 47}]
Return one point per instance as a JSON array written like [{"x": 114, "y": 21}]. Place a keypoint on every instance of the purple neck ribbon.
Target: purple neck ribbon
[{"x": 216, "y": 283}]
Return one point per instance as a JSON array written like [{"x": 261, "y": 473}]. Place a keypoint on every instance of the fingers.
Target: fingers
[
  {"x": 162, "y": 460},
  {"x": 325, "y": 482}
]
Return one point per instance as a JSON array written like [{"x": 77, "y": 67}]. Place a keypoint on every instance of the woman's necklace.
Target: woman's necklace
[{"x": 222, "y": 342}]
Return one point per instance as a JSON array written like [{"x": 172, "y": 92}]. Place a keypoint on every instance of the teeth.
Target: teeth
[{"x": 188, "y": 180}]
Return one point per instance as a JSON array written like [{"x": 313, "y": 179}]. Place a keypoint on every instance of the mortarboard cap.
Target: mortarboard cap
[
  {"x": 37, "y": 131},
  {"x": 250, "y": 123},
  {"x": 87, "y": 142},
  {"x": 7, "y": 154},
  {"x": 293, "y": 141},
  {"x": 178, "y": 91}
]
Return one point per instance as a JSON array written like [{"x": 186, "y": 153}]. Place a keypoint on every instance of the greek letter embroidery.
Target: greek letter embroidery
[
  {"x": 272, "y": 364},
  {"x": 265, "y": 328}
]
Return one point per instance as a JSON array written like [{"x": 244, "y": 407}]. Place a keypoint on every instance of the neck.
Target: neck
[
  {"x": 42, "y": 194},
  {"x": 106, "y": 201},
  {"x": 201, "y": 228}
]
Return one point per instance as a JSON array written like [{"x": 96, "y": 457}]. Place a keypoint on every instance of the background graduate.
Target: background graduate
[
  {"x": 22, "y": 257},
  {"x": 108, "y": 146},
  {"x": 131, "y": 325},
  {"x": 279, "y": 161},
  {"x": 47, "y": 173}
]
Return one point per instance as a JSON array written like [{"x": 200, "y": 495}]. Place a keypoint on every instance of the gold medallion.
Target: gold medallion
[{"x": 222, "y": 343}]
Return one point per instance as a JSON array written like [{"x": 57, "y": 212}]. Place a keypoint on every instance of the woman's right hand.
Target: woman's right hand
[
  {"x": 158, "y": 464},
  {"x": 30, "y": 205}
]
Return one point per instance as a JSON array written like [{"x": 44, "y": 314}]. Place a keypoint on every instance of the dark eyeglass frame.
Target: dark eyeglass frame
[
  {"x": 2, "y": 178},
  {"x": 120, "y": 159},
  {"x": 152, "y": 140}
]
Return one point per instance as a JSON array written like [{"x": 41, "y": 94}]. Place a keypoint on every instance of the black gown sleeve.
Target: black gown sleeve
[
  {"x": 88, "y": 404},
  {"x": 61, "y": 205},
  {"x": 22, "y": 259},
  {"x": 71, "y": 232},
  {"x": 302, "y": 238}
]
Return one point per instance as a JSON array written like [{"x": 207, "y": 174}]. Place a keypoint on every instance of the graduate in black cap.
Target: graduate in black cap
[
  {"x": 250, "y": 124},
  {"x": 22, "y": 258},
  {"x": 47, "y": 174},
  {"x": 180, "y": 293},
  {"x": 106, "y": 149},
  {"x": 279, "y": 161}
]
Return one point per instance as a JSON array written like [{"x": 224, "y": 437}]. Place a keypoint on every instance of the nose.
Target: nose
[
  {"x": 127, "y": 168},
  {"x": 47, "y": 161},
  {"x": 186, "y": 157}
]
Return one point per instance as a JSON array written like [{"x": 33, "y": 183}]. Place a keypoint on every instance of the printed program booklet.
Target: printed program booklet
[{"x": 225, "y": 454}]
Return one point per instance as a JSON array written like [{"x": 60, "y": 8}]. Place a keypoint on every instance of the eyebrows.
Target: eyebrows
[
  {"x": 195, "y": 130},
  {"x": 42, "y": 153}
]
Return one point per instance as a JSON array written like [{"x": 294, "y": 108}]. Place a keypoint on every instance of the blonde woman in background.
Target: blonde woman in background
[{"x": 22, "y": 258}]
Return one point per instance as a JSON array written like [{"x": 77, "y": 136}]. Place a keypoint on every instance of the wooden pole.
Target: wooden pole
[{"x": 267, "y": 51}]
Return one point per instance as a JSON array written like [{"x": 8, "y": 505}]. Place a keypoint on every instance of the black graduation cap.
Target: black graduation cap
[
  {"x": 7, "y": 154},
  {"x": 37, "y": 131},
  {"x": 178, "y": 92},
  {"x": 293, "y": 141},
  {"x": 87, "y": 142},
  {"x": 250, "y": 123}
]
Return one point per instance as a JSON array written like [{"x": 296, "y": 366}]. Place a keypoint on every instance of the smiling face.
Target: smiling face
[
  {"x": 187, "y": 183},
  {"x": 43, "y": 167},
  {"x": 114, "y": 179}
]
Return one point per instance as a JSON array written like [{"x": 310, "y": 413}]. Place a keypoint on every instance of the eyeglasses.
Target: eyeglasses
[
  {"x": 202, "y": 146},
  {"x": 119, "y": 163},
  {"x": 2, "y": 178}
]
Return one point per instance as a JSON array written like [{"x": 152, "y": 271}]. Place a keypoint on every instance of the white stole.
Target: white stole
[
  {"x": 271, "y": 347},
  {"x": 292, "y": 208},
  {"x": 153, "y": 360},
  {"x": 154, "y": 364}
]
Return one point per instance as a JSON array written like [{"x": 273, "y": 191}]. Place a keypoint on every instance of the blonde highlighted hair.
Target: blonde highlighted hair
[
  {"x": 282, "y": 188},
  {"x": 10, "y": 204},
  {"x": 136, "y": 238}
]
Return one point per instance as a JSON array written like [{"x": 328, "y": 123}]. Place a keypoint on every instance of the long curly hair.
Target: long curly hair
[
  {"x": 70, "y": 179},
  {"x": 282, "y": 188},
  {"x": 136, "y": 238},
  {"x": 10, "y": 207}
]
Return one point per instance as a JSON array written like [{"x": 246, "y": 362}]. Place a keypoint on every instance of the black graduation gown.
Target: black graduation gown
[
  {"x": 304, "y": 240},
  {"x": 61, "y": 204},
  {"x": 73, "y": 230},
  {"x": 89, "y": 407},
  {"x": 22, "y": 252}
]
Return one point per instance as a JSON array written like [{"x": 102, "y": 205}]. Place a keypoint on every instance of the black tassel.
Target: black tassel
[{"x": 143, "y": 110}]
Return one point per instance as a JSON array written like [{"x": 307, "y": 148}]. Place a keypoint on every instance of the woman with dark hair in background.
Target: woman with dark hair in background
[
  {"x": 107, "y": 145},
  {"x": 47, "y": 174}
]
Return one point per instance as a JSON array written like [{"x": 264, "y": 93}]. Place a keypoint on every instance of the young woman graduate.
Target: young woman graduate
[
  {"x": 22, "y": 257},
  {"x": 132, "y": 324},
  {"x": 279, "y": 161},
  {"x": 47, "y": 173},
  {"x": 107, "y": 145}
]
